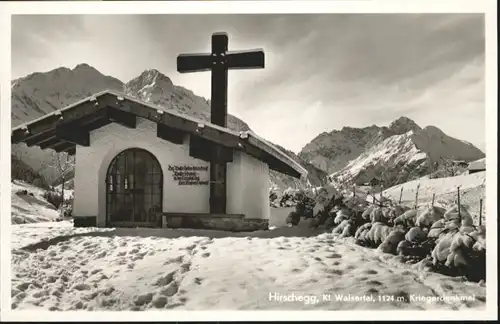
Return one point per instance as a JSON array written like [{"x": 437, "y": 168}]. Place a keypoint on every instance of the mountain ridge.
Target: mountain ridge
[
  {"x": 41, "y": 93},
  {"x": 332, "y": 151},
  {"x": 350, "y": 154}
]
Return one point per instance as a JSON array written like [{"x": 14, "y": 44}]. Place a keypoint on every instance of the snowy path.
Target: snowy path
[{"x": 164, "y": 269}]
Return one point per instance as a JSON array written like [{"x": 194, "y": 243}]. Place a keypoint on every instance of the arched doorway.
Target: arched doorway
[{"x": 134, "y": 185}]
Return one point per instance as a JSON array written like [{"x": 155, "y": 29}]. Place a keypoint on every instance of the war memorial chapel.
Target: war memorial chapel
[{"x": 139, "y": 165}]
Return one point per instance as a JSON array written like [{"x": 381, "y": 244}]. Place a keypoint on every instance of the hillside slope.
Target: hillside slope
[
  {"x": 472, "y": 190},
  {"x": 29, "y": 206},
  {"x": 21, "y": 171}
]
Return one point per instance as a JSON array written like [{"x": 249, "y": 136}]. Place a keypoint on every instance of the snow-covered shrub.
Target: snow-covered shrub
[
  {"x": 429, "y": 216},
  {"x": 305, "y": 204},
  {"x": 373, "y": 235},
  {"x": 385, "y": 214},
  {"x": 415, "y": 234},
  {"x": 366, "y": 214},
  {"x": 463, "y": 217},
  {"x": 390, "y": 244},
  {"x": 480, "y": 236},
  {"x": 341, "y": 215},
  {"x": 442, "y": 251},
  {"x": 404, "y": 248},
  {"x": 286, "y": 199},
  {"x": 436, "y": 238},
  {"x": 67, "y": 208},
  {"x": 356, "y": 202},
  {"x": 460, "y": 246},
  {"x": 273, "y": 196},
  {"x": 293, "y": 218},
  {"x": 407, "y": 219},
  {"x": 417, "y": 250},
  {"x": 376, "y": 215},
  {"x": 326, "y": 199},
  {"x": 437, "y": 228},
  {"x": 54, "y": 198},
  {"x": 344, "y": 229},
  {"x": 362, "y": 231},
  {"x": 400, "y": 210},
  {"x": 378, "y": 233}
]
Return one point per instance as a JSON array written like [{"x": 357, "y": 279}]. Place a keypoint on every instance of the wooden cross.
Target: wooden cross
[{"x": 219, "y": 61}]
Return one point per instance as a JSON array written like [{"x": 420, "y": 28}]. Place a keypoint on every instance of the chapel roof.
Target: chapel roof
[
  {"x": 477, "y": 165},
  {"x": 67, "y": 127}
]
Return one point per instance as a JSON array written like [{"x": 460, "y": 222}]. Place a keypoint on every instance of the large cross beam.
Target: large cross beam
[{"x": 219, "y": 61}]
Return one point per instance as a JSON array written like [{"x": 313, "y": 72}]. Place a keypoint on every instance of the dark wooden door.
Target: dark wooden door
[{"x": 134, "y": 189}]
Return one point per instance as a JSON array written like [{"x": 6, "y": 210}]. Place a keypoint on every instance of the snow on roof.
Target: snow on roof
[
  {"x": 121, "y": 96},
  {"x": 478, "y": 164},
  {"x": 297, "y": 166}
]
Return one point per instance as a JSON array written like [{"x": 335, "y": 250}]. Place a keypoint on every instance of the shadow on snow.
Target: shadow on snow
[{"x": 298, "y": 231}]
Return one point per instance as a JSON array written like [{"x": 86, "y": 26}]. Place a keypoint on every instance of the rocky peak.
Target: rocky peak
[
  {"x": 403, "y": 125},
  {"x": 150, "y": 85},
  {"x": 84, "y": 71},
  {"x": 152, "y": 76},
  {"x": 83, "y": 66},
  {"x": 433, "y": 130}
]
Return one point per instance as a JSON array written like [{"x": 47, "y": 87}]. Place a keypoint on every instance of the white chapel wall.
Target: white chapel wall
[
  {"x": 248, "y": 178},
  {"x": 92, "y": 164},
  {"x": 248, "y": 187}
]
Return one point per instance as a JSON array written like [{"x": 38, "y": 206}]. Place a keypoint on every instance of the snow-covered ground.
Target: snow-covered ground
[
  {"x": 68, "y": 193},
  {"x": 58, "y": 267},
  {"x": 30, "y": 208}
]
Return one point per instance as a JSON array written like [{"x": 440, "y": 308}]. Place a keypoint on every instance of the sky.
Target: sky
[{"x": 322, "y": 72}]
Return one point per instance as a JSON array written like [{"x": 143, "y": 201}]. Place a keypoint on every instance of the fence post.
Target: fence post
[
  {"x": 480, "y": 211},
  {"x": 354, "y": 190},
  {"x": 458, "y": 199},
  {"x": 381, "y": 191},
  {"x": 401, "y": 195},
  {"x": 433, "y": 197},
  {"x": 416, "y": 196}
]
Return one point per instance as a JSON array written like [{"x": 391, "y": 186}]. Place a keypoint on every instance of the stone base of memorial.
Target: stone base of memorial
[{"x": 225, "y": 222}]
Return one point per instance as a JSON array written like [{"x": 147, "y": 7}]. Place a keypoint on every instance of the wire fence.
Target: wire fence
[
  {"x": 384, "y": 201},
  {"x": 380, "y": 199}
]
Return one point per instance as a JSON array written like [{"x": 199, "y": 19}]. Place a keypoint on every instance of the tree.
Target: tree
[
  {"x": 386, "y": 179},
  {"x": 449, "y": 167},
  {"x": 63, "y": 163}
]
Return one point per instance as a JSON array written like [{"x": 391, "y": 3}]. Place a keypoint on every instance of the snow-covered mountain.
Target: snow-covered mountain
[
  {"x": 156, "y": 88},
  {"x": 333, "y": 151},
  {"x": 398, "y": 153},
  {"x": 40, "y": 93}
]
